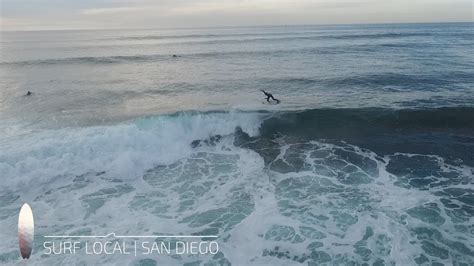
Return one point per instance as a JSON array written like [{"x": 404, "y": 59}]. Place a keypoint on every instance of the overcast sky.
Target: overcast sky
[{"x": 86, "y": 14}]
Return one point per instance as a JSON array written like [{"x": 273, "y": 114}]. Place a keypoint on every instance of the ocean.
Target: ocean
[{"x": 367, "y": 160}]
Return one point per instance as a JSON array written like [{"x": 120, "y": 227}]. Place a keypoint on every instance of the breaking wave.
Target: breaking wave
[{"x": 314, "y": 186}]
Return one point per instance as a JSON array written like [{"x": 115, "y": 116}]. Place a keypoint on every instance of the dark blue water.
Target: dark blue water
[{"x": 367, "y": 160}]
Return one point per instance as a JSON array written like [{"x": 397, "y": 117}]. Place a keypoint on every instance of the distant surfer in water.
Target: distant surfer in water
[
  {"x": 29, "y": 93},
  {"x": 270, "y": 96}
]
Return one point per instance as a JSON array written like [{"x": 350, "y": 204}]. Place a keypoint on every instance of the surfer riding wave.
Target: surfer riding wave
[{"x": 270, "y": 96}]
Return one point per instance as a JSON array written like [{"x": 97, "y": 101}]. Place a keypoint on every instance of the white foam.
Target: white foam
[{"x": 123, "y": 151}]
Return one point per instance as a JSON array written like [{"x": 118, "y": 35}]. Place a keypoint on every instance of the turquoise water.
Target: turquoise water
[{"x": 367, "y": 160}]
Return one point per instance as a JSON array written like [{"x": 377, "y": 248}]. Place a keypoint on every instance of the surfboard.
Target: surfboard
[
  {"x": 26, "y": 231},
  {"x": 271, "y": 103}
]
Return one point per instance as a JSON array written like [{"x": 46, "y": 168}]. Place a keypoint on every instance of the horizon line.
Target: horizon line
[{"x": 235, "y": 26}]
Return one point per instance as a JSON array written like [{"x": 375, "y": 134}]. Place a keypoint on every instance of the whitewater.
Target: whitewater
[{"x": 367, "y": 160}]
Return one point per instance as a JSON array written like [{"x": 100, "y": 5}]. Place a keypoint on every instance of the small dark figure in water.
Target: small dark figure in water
[
  {"x": 29, "y": 93},
  {"x": 175, "y": 55},
  {"x": 270, "y": 96}
]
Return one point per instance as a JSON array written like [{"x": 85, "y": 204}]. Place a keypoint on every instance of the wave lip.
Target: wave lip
[{"x": 124, "y": 150}]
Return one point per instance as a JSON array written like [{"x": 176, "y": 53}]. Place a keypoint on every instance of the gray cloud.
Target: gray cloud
[{"x": 61, "y": 14}]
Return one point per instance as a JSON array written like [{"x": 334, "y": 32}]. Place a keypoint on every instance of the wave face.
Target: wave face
[
  {"x": 336, "y": 123},
  {"x": 317, "y": 186},
  {"x": 366, "y": 161},
  {"x": 444, "y": 131}
]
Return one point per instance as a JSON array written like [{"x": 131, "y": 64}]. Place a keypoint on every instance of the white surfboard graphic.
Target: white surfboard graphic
[{"x": 26, "y": 231}]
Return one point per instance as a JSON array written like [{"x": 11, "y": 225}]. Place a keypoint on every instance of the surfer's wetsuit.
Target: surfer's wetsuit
[{"x": 270, "y": 96}]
